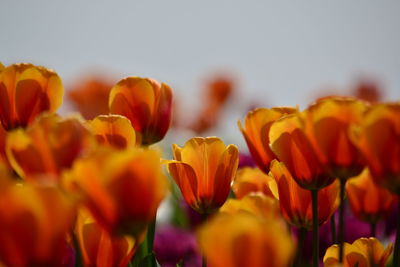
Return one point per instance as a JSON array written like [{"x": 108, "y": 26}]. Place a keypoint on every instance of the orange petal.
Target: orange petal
[{"x": 114, "y": 130}]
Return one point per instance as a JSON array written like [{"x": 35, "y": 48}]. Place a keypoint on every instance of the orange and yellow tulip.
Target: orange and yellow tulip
[
  {"x": 49, "y": 146},
  {"x": 378, "y": 138},
  {"x": 95, "y": 88},
  {"x": 113, "y": 130},
  {"x": 292, "y": 146},
  {"x": 121, "y": 188},
  {"x": 99, "y": 248},
  {"x": 146, "y": 103},
  {"x": 296, "y": 202},
  {"x": 364, "y": 252},
  {"x": 256, "y": 129},
  {"x": 252, "y": 180},
  {"x": 203, "y": 169},
  {"x": 328, "y": 125},
  {"x": 369, "y": 202},
  {"x": 34, "y": 223},
  {"x": 245, "y": 240},
  {"x": 25, "y": 92},
  {"x": 257, "y": 204}
]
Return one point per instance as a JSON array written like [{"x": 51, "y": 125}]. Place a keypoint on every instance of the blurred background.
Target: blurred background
[{"x": 267, "y": 53}]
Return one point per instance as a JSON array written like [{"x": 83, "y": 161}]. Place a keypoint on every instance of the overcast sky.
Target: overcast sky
[{"x": 282, "y": 51}]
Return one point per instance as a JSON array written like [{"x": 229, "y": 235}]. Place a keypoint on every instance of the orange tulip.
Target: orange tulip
[
  {"x": 369, "y": 202},
  {"x": 121, "y": 188},
  {"x": 99, "y": 248},
  {"x": 95, "y": 88},
  {"x": 364, "y": 252},
  {"x": 256, "y": 128},
  {"x": 378, "y": 138},
  {"x": 245, "y": 240},
  {"x": 253, "y": 180},
  {"x": 203, "y": 169},
  {"x": 295, "y": 202},
  {"x": 34, "y": 223},
  {"x": 217, "y": 92},
  {"x": 328, "y": 125},
  {"x": 146, "y": 103},
  {"x": 25, "y": 92},
  {"x": 49, "y": 146},
  {"x": 1, "y": 66},
  {"x": 291, "y": 144},
  {"x": 113, "y": 130},
  {"x": 257, "y": 204}
]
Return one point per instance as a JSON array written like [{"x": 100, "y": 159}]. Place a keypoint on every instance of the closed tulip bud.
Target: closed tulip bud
[
  {"x": 328, "y": 125},
  {"x": 256, "y": 128},
  {"x": 121, "y": 188},
  {"x": 203, "y": 169},
  {"x": 49, "y": 146},
  {"x": 245, "y": 240},
  {"x": 364, "y": 252},
  {"x": 369, "y": 202},
  {"x": 25, "y": 92},
  {"x": 296, "y": 202},
  {"x": 96, "y": 88},
  {"x": 113, "y": 130},
  {"x": 378, "y": 138},
  {"x": 253, "y": 180},
  {"x": 292, "y": 145},
  {"x": 146, "y": 103},
  {"x": 34, "y": 223},
  {"x": 99, "y": 248}
]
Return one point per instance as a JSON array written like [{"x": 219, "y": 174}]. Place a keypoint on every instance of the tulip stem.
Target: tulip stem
[
  {"x": 300, "y": 244},
  {"x": 204, "y": 220},
  {"x": 315, "y": 236},
  {"x": 396, "y": 253},
  {"x": 341, "y": 219},
  {"x": 373, "y": 229},
  {"x": 333, "y": 229}
]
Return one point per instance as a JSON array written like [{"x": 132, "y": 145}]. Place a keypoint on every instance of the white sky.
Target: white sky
[{"x": 282, "y": 51}]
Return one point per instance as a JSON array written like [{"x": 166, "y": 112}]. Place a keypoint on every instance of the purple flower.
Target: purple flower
[{"x": 174, "y": 245}]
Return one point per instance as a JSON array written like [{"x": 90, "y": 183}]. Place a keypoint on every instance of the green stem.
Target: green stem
[
  {"x": 315, "y": 236},
  {"x": 373, "y": 229},
  {"x": 333, "y": 229},
  {"x": 396, "y": 253},
  {"x": 78, "y": 253},
  {"x": 298, "y": 262},
  {"x": 341, "y": 219},
  {"x": 205, "y": 217},
  {"x": 146, "y": 248}
]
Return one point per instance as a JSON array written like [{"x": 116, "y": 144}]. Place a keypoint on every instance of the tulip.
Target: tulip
[
  {"x": 292, "y": 146},
  {"x": 95, "y": 88},
  {"x": 113, "y": 130},
  {"x": 364, "y": 252},
  {"x": 203, "y": 170},
  {"x": 121, "y": 188},
  {"x": 328, "y": 125},
  {"x": 378, "y": 138},
  {"x": 1, "y": 66},
  {"x": 146, "y": 103},
  {"x": 257, "y": 204},
  {"x": 257, "y": 125},
  {"x": 217, "y": 92},
  {"x": 25, "y": 92},
  {"x": 34, "y": 223},
  {"x": 245, "y": 240},
  {"x": 369, "y": 202},
  {"x": 253, "y": 180},
  {"x": 49, "y": 146},
  {"x": 99, "y": 248},
  {"x": 295, "y": 202}
]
